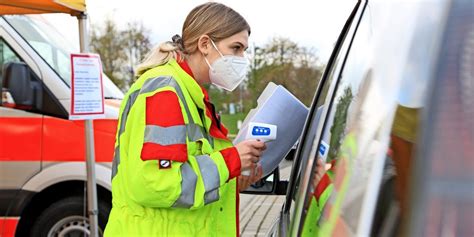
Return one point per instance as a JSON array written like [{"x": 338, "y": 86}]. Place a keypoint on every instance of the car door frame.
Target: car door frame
[{"x": 290, "y": 222}]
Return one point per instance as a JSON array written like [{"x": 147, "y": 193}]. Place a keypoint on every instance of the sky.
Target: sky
[{"x": 311, "y": 23}]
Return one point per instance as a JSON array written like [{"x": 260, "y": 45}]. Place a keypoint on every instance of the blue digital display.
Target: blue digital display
[
  {"x": 322, "y": 149},
  {"x": 260, "y": 131}
]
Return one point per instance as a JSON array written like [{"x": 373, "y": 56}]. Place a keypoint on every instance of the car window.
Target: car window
[
  {"x": 371, "y": 130},
  {"x": 334, "y": 64},
  {"x": 347, "y": 118}
]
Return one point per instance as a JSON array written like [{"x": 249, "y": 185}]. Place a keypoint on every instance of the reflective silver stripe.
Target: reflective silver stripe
[
  {"x": 165, "y": 135},
  {"x": 126, "y": 110},
  {"x": 194, "y": 132},
  {"x": 173, "y": 135},
  {"x": 116, "y": 161},
  {"x": 211, "y": 196},
  {"x": 210, "y": 177},
  {"x": 188, "y": 187},
  {"x": 123, "y": 121}
]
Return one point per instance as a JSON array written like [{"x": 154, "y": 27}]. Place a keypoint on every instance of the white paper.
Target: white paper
[
  {"x": 87, "y": 97},
  {"x": 279, "y": 107}
]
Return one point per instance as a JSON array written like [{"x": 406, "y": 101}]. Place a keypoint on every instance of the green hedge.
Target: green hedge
[{"x": 230, "y": 122}]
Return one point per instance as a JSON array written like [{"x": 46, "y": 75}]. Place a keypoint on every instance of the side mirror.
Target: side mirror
[
  {"x": 18, "y": 81},
  {"x": 269, "y": 185}
]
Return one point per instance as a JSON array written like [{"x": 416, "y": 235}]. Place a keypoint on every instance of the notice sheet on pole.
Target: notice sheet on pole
[{"x": 87, "y": 92}]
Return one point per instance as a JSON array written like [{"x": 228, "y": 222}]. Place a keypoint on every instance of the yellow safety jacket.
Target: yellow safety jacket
[
  {"x": 327, "y": 193},
  {"x": 171, "y": 180}
]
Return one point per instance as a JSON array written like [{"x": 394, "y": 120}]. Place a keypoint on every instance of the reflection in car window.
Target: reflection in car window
[
  {"x": 371, "y": 133},
  {"x": 331, "y": 73},
  {"x": 329, "y": 210},
  {"x": 340, "y": 12}
]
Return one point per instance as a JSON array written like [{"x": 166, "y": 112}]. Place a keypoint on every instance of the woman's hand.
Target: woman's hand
[
  {"x": 246, "y": 181},
  {"x": 321, "y": 168},
  {"x": 250, "y": 152},
  {"x": 318, "y": 172}
]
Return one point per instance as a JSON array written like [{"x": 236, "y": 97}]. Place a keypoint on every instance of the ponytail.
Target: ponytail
[
  {"x": 162, "y": 54},
  {"x": 216, "y": 20}
]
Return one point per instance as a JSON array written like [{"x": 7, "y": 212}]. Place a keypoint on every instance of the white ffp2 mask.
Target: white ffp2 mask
[{"x": 228, "y": 71}]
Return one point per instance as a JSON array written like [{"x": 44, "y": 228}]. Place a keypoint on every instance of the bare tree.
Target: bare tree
[{"x": 120, "y": 50}]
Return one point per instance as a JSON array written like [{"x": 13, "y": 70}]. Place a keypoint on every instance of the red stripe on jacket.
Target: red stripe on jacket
[
  {"x": 163, "y": 109},
  {"x": 322, "y": 186}
]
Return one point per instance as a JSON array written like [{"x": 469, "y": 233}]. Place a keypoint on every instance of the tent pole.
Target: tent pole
[{"x": 90, "y": 152}]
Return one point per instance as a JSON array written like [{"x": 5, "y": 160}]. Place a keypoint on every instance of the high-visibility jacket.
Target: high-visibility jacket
[
  {"x": 320, "y": 196},
  {"x": 324, "y": 194},
  {"x": 174, "y": 169}
]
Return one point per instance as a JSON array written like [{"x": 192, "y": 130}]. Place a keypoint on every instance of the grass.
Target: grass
[{"x": 230, "y": 122}]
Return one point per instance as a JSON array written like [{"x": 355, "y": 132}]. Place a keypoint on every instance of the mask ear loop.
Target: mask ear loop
[
  {"x": 213, "y": 44},
  {"x": 205, "y": 58},
  {"x": 208, "y": 64}
]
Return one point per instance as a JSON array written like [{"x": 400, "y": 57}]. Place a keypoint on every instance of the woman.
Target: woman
[{"x": 175, "y": 172}]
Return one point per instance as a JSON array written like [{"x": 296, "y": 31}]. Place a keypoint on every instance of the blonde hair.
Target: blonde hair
[{"x": 216, "y": 20}]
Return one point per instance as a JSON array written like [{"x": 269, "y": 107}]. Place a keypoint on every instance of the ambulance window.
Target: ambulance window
[
  {"x": 6, "y": 55},
  {"x": 44, "y": 101}
]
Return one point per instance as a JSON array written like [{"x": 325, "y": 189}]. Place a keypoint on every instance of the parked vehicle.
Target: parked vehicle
[
  {"x": 396, "y": 102},
  {"x": 397, "y": 87},
  {"x": 42, "y": 153}
]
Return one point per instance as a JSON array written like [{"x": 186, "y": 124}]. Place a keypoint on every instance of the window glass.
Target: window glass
[
  {"x": 331, "y": 73},
  {"x": 36, "y": 98},
  {"x": 53, "y": 48},
  {"x": 372, "y": 127},
  {"x": 6, "y": 56},
  {"x": 351, "y": 124}
]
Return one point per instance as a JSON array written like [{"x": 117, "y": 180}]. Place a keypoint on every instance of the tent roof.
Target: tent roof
[{"x": 73, "y": 7}]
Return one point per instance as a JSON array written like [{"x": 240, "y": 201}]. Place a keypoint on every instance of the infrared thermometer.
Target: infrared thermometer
[{"x": 260, "y": 131}]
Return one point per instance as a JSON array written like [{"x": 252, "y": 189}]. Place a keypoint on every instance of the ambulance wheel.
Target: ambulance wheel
[{"x": 68, "y": 217}]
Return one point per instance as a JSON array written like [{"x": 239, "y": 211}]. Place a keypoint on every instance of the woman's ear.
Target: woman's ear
[{"x": 203, "y": 44}]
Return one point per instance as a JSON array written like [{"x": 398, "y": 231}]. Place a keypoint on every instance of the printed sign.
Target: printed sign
[{"x": 87, "y": 91}]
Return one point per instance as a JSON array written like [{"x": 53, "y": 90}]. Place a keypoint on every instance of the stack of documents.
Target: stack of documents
[{"x": 279, "y": 107}]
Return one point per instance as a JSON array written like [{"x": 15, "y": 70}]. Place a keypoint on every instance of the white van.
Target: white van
[{"x": 42, "y": 167}]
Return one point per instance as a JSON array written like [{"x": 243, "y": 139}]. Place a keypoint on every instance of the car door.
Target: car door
[
  {"x": 371, "y": 122},
  {"x": 349, "y": 12}
]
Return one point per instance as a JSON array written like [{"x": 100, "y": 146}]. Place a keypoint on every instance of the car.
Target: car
[{"x": 396, "y": 120}]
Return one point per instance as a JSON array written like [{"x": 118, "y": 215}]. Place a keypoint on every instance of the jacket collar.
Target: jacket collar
[{"x": 198, "y": 93}]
